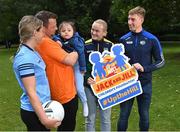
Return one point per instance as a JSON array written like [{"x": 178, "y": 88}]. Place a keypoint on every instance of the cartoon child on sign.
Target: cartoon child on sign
[
  {"x": 108, "y": 64},
  {"x": 116, "y": 80},
  {"x": 120, "y": 59},
  {"x": 98, "y": 66}
]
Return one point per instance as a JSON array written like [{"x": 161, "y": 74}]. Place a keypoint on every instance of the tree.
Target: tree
[{"x": 162, "y": 17}]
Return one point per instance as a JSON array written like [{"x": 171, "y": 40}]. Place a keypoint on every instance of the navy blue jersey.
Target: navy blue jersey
[
  {"x": 91, "y": 46},
  {"x": 143, "y": 48}
]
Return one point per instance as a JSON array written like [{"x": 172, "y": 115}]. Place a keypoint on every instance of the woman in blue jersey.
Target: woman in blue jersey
[{"x": 30, "y": 73}]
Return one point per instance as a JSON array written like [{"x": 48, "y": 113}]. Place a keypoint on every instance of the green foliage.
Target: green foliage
[
  {"x": 162, "y": 16},
  {"x": 118, "y": 18},
  {"x": 170, "y": 37},
  {"x": 164, "y": 111}
]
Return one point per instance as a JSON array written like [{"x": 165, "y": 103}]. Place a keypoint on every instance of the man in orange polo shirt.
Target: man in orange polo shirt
[{"x": 59, "y": 71}]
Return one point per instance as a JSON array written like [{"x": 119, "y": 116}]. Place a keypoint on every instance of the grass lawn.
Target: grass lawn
[{"x": 165, "y": 106}]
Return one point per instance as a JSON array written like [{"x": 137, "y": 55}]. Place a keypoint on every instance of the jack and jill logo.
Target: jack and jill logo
[{"x": 116, "y": 79}]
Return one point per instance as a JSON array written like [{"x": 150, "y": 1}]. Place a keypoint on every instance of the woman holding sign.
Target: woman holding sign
[{"x": 96, "y": 43}]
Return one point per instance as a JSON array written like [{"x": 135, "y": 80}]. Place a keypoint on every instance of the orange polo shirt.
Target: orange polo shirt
[{"x": 60, "y": 76}]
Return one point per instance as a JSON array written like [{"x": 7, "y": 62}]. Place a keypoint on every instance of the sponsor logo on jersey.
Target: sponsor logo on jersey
[
  {"x": 129, "y": 42},
  {"x": 142, "y": 42}
]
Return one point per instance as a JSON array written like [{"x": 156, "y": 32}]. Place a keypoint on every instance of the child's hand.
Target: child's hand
[{"x": 59, "y": 43}]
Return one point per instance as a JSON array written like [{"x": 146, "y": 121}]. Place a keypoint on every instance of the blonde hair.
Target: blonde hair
[
  {"x": 138, "y": 10},
  {"x": 103, "y": 23},
  {"x": 27, "y": 25}
]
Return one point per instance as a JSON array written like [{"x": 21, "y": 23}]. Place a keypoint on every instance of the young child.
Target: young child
[{"x": 70, "y": 41}]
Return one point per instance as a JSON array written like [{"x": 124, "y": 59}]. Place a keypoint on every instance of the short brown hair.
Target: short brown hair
[
  {"x": 138, "y": 10},
  {"x": 45, "y": 16},
  {"x": 71, "y": 23},
  {"x": 27, "y": 25}
]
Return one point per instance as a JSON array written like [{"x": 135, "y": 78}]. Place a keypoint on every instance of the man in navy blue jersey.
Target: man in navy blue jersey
[{"x": 145, "y": 54}]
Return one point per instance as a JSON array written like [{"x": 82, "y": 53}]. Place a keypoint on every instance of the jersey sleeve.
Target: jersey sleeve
[
  {"x": 158, "y": 58},
  {"x": 78, "y": 43},
  {"x": 25, "y": 66},
  {"x": 56, "y": 38}
]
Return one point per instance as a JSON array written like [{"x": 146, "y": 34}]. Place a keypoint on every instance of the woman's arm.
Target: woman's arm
[{"x": 30, "y": 86}]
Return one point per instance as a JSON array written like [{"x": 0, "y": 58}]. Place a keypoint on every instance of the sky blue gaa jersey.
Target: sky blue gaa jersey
[{"x": 28, "y": 62}]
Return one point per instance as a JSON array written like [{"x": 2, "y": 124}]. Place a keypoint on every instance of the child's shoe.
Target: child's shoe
[{"x": 85, "y": 109}]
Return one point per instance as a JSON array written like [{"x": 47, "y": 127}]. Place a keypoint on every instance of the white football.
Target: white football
[{"x": 54, "y": 110}]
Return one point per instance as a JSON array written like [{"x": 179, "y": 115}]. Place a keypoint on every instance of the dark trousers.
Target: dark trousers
[
  {"x": 69, "y": 121},
  {"x": 143, "y": 101},
  {"x": 31, "y": 121}
]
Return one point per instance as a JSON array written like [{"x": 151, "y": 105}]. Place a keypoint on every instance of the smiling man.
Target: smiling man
[
  {"x": 59, "y": 71},
  {"x": 145, "y": 53}
]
